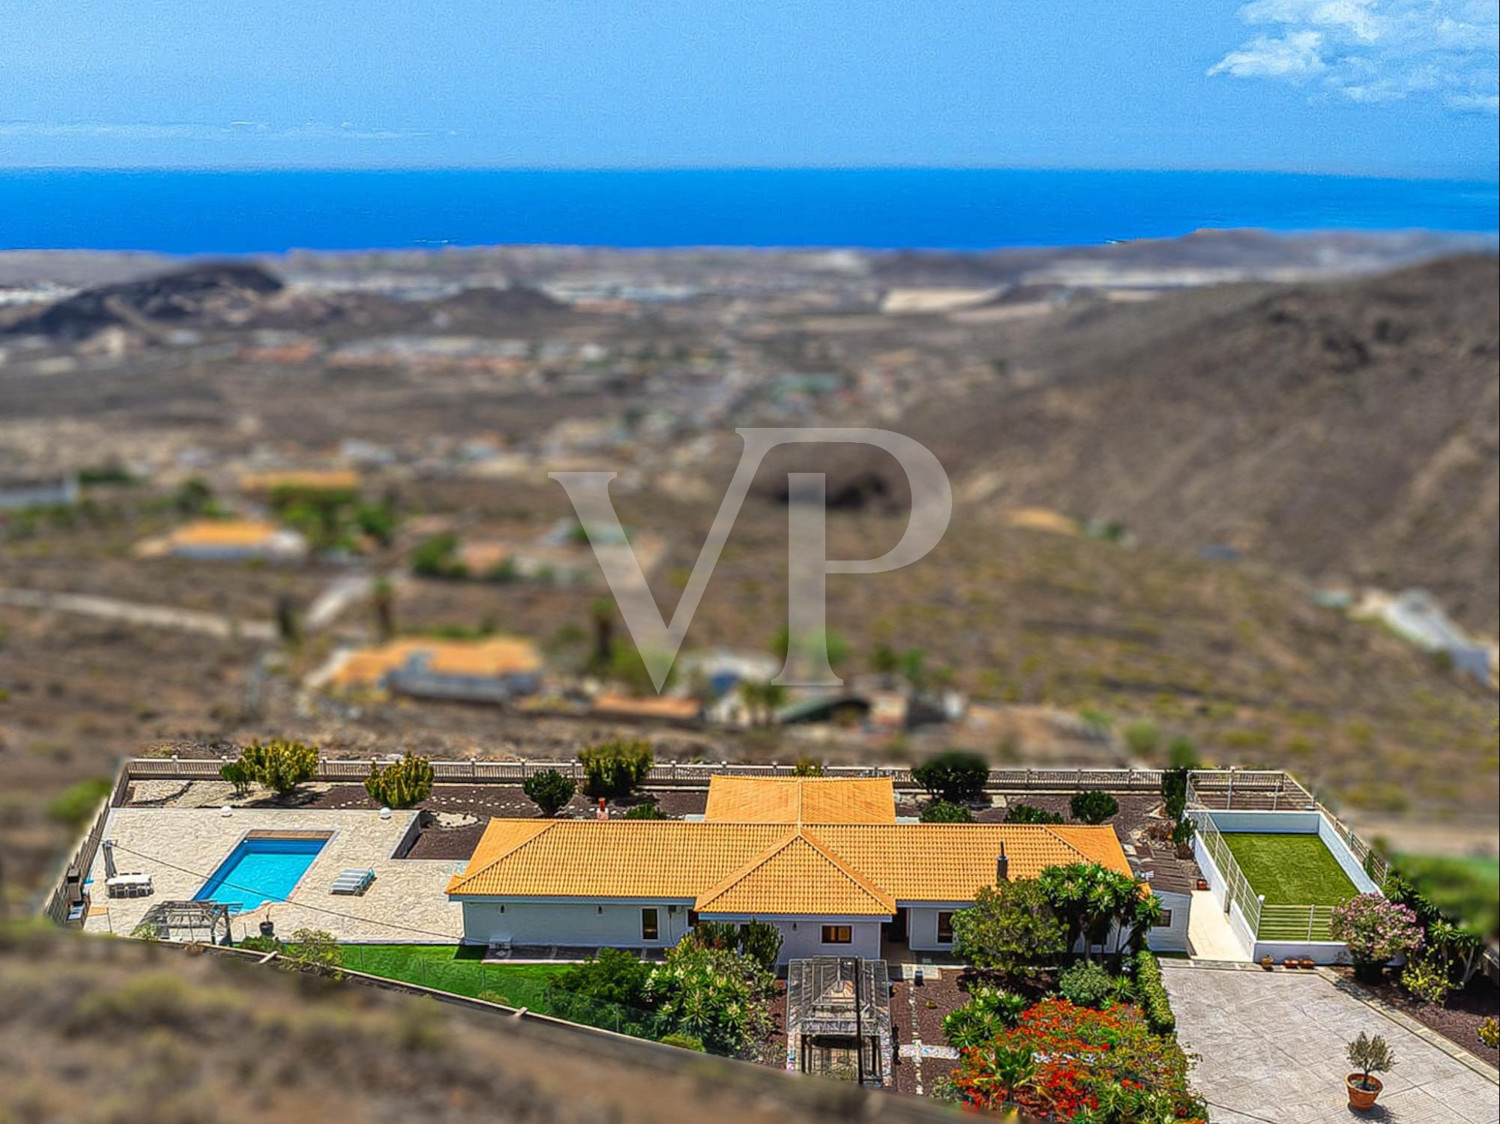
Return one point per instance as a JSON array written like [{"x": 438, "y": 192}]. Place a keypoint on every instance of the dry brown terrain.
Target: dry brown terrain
[
  {"x": 97, "y": 1030},
  {"x": 1346, "y": 432}
]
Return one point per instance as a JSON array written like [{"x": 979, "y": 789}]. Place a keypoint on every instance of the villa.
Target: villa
[
  {"x": 227, "y": 540},
  {"x": 491, "y": 670},
  {"x": 825, "y": 861},
  {"x": 301, "y": 480}
]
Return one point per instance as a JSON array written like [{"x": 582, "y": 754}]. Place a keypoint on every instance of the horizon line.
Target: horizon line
[{"x": 1429, "y": 175}]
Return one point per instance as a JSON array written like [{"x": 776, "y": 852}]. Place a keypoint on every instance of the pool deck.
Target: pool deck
[{"x": 180, "y": 848}]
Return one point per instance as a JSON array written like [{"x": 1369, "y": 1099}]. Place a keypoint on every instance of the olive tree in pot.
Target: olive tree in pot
[{"x": 1369, "y": 1056}]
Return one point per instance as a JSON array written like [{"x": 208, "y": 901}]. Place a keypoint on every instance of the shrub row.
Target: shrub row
[{"x": 1155, "y": 1004}]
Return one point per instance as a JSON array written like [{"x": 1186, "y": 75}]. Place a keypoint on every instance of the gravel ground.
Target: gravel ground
[{"x": 934, "y": 999}]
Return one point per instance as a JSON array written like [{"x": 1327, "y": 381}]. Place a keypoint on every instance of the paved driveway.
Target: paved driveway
[{"x": 1271, "y": 1048}]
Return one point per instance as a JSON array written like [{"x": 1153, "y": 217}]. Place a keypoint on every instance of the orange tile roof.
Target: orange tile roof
[
  {"x": 612, "y": 859},
  {"x": 501, "y": 655},
  {"x": 770, "y": 868},
  {"x": 798, "y": 875},
  {"x": 223, "y": 532},
  {"x": 792, "y": 800},
  {"x": 659, "y": 706},
  {"x": 312, "y": 480},
  {"x": 947, "y": 862}
]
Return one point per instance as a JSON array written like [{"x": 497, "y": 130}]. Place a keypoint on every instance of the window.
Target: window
[
  {"x": 650, "y": 930},
  {"x": 945, "y": 927},
  {"x": 1166, "y": 920},
  {"x": 838, "y": 934}
]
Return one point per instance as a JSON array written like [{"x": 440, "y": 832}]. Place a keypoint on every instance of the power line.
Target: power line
[{"x": 443, "y": 938}]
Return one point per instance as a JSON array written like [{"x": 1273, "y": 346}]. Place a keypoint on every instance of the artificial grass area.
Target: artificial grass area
[
  {"x": 1290, "y": 869},
  {"x": 456, "y": 968}
]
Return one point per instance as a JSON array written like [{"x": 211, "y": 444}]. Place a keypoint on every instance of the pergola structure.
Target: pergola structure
[
  {"x": 838, "y": 1018},
  {"x": 187, "y": 921}
]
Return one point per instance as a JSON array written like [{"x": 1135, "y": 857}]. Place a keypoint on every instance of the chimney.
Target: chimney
[
  {"x": 1002, "y": 866},
  {"x": 603, "y": 812}
]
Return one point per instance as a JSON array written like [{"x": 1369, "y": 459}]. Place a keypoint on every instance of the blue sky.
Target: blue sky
[{"x": 1358, "y": 86}]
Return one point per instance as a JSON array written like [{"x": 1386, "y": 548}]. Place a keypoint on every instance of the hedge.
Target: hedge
[{"x": 1155, "y": 1004}]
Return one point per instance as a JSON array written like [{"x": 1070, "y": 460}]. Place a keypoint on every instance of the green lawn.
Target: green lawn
[
  {"x": 456, "y": 968},
  {"x": 1290, "y": 869},
  {"x": 461, "y": 970}
]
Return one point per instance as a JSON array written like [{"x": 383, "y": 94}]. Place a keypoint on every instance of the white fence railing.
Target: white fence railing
[
  {"x": 1237, "y": 888},
  {"x": 1295, "y": 923},
  {"x": 1254, "y": 789},
  {"x": 1375, "y": 866},
  {"x": 1219, "y": 788},
  {"x": 481, "y": 770}
]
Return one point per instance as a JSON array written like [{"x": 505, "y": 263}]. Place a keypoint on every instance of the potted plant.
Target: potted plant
[
  {"x": 1268, "y": 962},
  {"x": 1307, "y": 962},
  {"x": 1369, "y": 1056}
]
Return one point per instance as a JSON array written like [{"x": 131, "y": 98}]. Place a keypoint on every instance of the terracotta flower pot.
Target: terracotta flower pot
[
  {"x": 1289, "y": 962},
  {"x": 1359, "y": 1097},
  {"x": 1306, "y": 963}
]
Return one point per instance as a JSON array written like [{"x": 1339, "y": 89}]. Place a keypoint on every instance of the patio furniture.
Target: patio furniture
[
  {"x": 128, "y": 886},
  {"x": 353, "y": 881}
]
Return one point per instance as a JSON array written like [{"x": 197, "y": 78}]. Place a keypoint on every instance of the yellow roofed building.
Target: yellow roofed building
[
  {"x": 301, "y": 480},
  {"x": 226, "y": 540},
  {"x": 495, "y": 669},
  {"x": 826, "y": 861}
]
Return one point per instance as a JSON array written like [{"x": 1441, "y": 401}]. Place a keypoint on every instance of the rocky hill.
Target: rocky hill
[
  {"x": 1345, "y": 431},
  {"x": 209, "y": 293}
]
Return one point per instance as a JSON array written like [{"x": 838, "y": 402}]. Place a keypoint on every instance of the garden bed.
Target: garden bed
[{"x": 1457, "y": 1019}]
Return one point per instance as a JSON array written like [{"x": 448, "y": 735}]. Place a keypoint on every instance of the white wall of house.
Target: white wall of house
[
  {"x": 803, "y": 936},
  {"x": 1172, "y": 937},
  {"x": 618, "y": 925},
  {"x": 587, "y": 924},
  {"x": 922, "y": 926}
]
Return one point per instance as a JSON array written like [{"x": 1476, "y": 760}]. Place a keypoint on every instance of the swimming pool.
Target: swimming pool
[{"x": 260, "y": 869}]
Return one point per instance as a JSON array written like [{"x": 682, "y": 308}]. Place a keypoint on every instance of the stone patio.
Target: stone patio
[
  {"x": 1271, "y": 1048},
  {"x": 181, "y": 847}
]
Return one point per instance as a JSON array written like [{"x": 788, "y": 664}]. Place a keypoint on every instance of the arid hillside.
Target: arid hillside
[
  {"x": 98, "y": 1030},
  {"x": 1347, "y": 432}
]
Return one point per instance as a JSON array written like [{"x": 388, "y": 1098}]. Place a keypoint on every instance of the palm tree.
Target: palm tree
[{"x": 762, "y": 700}]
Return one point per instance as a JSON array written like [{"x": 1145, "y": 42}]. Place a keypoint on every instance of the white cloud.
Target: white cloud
[
  {"x": 1375, "y": 50},
  {"x": 1294, "y": 57}
]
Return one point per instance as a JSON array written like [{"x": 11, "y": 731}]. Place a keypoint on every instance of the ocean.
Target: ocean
[{"x": 271, "y": 211}]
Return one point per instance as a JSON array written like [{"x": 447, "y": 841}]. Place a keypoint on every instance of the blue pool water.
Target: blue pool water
[{"x": 260, "y": 870}]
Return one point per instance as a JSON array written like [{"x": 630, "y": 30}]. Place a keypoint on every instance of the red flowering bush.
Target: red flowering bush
[{"x": 1063, "y": 1060}]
